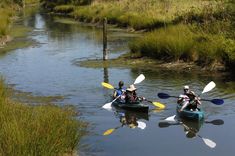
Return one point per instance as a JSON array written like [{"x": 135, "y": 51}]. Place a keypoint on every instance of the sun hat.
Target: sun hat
[{"x": 131, "y": 88}]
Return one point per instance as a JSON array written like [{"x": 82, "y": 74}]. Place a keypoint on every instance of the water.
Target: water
[{"x": 48, "y": 69}]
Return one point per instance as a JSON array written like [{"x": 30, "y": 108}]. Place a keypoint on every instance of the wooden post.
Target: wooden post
[
  {"x": 105, "y": 52},
  {"x": 106, "y": 75}
]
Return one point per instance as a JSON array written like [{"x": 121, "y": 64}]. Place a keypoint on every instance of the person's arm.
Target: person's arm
[
  {"x": 196, "y": 98},
  {"x": 185, "y": 104},
  {"x": 115, "y": 94}
]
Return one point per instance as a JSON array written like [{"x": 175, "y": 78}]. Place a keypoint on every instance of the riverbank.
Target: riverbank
[
  {"x": 32, "y": 125},
  {"x": 147, "y": 63},
  {"x": 199, "y": 32},
  {"x": 44, "y": 129},
  {"x": 13, "y": 36}
]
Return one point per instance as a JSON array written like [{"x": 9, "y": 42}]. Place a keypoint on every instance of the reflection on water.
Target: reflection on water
[
  {"x": 129, "y": 119},
  {"x": 191, "y": 129},
  {"x": 48, "y": 69}
]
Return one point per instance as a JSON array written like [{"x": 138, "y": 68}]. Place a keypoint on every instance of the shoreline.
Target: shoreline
[{"x": 149, "y": 64}]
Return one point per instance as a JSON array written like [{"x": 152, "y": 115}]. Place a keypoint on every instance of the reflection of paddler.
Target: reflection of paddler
[
  {"x": 129, "y": 120},
  {"x": 191, "y": 128}
]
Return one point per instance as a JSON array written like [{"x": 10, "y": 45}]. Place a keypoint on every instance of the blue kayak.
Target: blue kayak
[
  {"x": 191, "y": 115},
  {"x": 138, "y": 106}
]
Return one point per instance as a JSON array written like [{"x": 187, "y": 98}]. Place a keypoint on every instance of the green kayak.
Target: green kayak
[
  {"x": 138, "y": 106},
  {"x": 191, "y": 115}
]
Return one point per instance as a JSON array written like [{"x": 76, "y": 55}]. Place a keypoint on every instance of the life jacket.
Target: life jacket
[
  {"x": 131, "y": 97},
  {"x": 120, "y": 91}
]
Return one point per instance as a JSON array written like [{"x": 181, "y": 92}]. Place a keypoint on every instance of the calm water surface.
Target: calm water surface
[{"x": 49, "y": 69}]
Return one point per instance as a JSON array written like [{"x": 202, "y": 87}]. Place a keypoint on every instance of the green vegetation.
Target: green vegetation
[
  {"x": 5, "y": 18},
  {"x": 36, "y": 130},
  {"x": 153, "y": 13},
  {"x": 199, "y": 31},
  {"x": 183, "y": 42},
  {"x": 8, "y": 11}
]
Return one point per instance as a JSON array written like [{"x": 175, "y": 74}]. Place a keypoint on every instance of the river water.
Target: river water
[{"x": 50, "y": 69}]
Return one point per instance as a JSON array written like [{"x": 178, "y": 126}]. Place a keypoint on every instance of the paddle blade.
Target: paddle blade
[
  {"x": 208, "y": 87},
  {"x": 171, "y": 118},
  {"x": 209, "y": 142},
  {"x": 163, "y": 95},
  {"x": 163, "y": 124},
  {"x": 141, "y": 124},
  {"x": 109, "y": 131},
  {"x": 216, "y": 122},
  {"x": 139, "y": 79},
  {"x": 107, "y": 85},
  {"x": 107, "y": 106},
  {"x": 217, "y": 101},
  {"x": 159, "y": 105}
]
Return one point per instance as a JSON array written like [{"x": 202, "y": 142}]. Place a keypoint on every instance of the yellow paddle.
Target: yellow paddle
[
  {"x": 140, "y": 124},
  {"x": 157, "y": 104},
  {"x": 107, "y": 85},
  {"x": 110, "y": 131}
]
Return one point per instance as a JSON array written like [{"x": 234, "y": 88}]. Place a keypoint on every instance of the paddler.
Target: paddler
[
  {"x": 131, "y": 96},
  {"x": 189, "y": 99}
]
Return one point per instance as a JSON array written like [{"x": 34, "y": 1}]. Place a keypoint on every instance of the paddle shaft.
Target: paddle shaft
[{"x": 214, "y": 101}]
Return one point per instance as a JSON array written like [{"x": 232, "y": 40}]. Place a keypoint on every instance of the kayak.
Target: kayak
[
  {"x": 191, "y": 115},
  {"x": 138, "y": 106}
]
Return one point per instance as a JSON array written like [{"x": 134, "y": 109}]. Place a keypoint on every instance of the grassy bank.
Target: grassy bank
[
  {"x": 8, "y": 12},
  {"x": 184, "y": 42},
  {"x": 199, "y": 31},
  {"x": 36, "y": 130},
  {"x": 153, "y": 14}
]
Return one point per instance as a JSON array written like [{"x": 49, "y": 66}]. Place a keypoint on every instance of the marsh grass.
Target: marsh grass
[
  {"x": 6, "y": 14},
  {"x": 182, "y": 42},
  {"x": 139, "y": 14},
  {"x": 169, "y": 43},
  {"x": 37, "y": 130}
]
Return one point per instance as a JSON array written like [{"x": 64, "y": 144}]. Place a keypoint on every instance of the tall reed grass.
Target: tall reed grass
[
  {"x": 182, "y": 42},
  {"x": 169, "y": 43},
  {"x": 140, "y": 14},
  {"x": 5, "y": 15},
  {"x": 36, "y": 130}
]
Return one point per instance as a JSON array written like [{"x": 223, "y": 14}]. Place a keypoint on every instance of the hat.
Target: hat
[
  {"x": 186, "y": 87},
  {"x": 131, "y": 88}
]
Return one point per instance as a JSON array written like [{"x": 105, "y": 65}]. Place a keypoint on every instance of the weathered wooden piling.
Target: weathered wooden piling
[{"x": 105, "y": 52}]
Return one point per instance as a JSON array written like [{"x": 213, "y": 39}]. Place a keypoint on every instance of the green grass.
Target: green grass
[
  {"x": 6, "y": 14},
  {"x": 182, "y": 42},
  {"x": 36, "y": 130},
  {"x": 139, "y": 14},
  {"x": 169, "y": 43}
]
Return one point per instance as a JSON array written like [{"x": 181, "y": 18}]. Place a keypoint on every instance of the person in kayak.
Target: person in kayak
[
  {"x": 119, "y": 92},
  {"x": 189, "y": 99},
  {"x": 131, "y": 95}
]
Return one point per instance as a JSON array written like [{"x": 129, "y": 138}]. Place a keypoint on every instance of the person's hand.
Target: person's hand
[{"x": 143, "y": 98}]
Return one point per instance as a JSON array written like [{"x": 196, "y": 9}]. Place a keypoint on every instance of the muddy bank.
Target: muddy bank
[
  {"x": 16, "y": 39},
  {"x": 4, "y": 40},
  {"x": 149, "y": 64}
]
